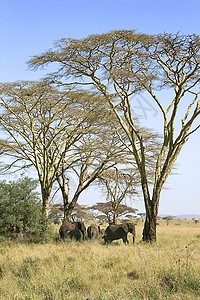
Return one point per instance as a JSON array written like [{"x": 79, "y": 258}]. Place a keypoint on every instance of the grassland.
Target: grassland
[{"x": 168, "y": 269}]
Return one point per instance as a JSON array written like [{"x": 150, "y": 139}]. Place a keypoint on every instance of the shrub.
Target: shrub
[{"x": 20, "y": 206}]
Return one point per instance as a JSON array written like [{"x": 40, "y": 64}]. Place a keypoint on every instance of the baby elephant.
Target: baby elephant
[{"x": 75, "y": 234}]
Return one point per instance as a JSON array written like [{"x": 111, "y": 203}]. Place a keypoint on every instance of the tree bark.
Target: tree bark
[
  {"x": 45, "y": 206},
  {"x": 67, "y": 210},
  {"x": 45, "y": 212},
  {"x": 114, "y": 217},
  {"x": 69, "y": 206},
  {"x": 149, "y": 231}
]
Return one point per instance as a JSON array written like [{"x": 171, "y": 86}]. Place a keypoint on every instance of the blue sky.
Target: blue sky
[{"x": 28, "y": 28}]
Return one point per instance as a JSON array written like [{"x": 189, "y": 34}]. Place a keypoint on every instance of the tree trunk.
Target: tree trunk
[
  {"x": 69, "y": 206},
  {"x": 67, "y": 211},
  {"x": 45, "y": 213},
  {"x": 149, "y": 231},
  {"x": 45, "y": 208},
  {"x": 114, "y": 217}
]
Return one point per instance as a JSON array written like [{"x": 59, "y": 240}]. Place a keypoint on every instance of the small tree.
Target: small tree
[
  {"x": 96, "y": 152},
  {"x": 168, "y": 218},
  {"x": 142, "y": 216},
  {"x": 119, "y": 184},
  {"x": 80, "y": 212},
  {"x": 110, "y": 214},
  {"x": 55, "y": 213},
  {"x": 20, "y": 206}
]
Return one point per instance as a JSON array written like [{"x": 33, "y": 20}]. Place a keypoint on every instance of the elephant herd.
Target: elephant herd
[{"x": 77, "y": 230}]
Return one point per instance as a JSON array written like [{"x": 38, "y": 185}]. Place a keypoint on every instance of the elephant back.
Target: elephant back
[
  {"x": 115, "y": 232},
  {"x": 65, "y": 228}
]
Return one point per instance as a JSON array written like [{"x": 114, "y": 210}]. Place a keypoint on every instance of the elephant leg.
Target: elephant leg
[
  {"x": 83, "y": 233},
  {"x": 66, "y": 234},
  {"x": 106, "y": 240},
  {"x": 78, "y": 238},
  {"x": 125, "y": 240}
]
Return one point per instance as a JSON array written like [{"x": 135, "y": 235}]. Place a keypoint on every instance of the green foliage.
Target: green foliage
[{"x": 20, "y": 206}]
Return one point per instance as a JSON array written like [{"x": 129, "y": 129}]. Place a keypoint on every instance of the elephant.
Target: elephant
[
  {"x": 75, "y": 234},
  {"x": 65, "y": 229},
  {"x": 23, "y": 234},
  {"x": 93, "y": 231},
  {"x": 116, "y": 232},
  {"x": 16, "y": 235},
  {"x": 30, "y": 234}
]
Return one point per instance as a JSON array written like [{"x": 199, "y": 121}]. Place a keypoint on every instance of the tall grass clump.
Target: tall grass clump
[{"x": 182, "y": 275}]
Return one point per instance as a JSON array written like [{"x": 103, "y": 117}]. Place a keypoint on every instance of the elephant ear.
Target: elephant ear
[
  {"x": 78, "y": 225},
  {"x": 125, "y": 227},
  {"x": 131, "y": 228}
]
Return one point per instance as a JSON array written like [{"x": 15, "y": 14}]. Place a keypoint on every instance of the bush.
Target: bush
[{"x": 20, "y": 206}]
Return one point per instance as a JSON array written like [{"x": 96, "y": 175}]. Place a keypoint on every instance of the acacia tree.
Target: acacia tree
[
  {"x": 55, "y": 213},
  {"x": 40, "y": 124},
  {"x": 142, "y": 216},
  {"x": 110, "y": 213},
  {"x": 123, "y": 63},
  {"x": 80, "y": 212},
  {"x": 119, "y": 184},
  {"x": 168, "y": 218},
  {"x": 97, "y": 151}
]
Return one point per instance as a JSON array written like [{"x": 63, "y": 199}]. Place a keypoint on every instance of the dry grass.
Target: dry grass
[{"x": 168, "y": 269}]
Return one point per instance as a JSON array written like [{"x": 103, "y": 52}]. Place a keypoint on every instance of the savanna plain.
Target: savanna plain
[{"x": 56, "y": 270}]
